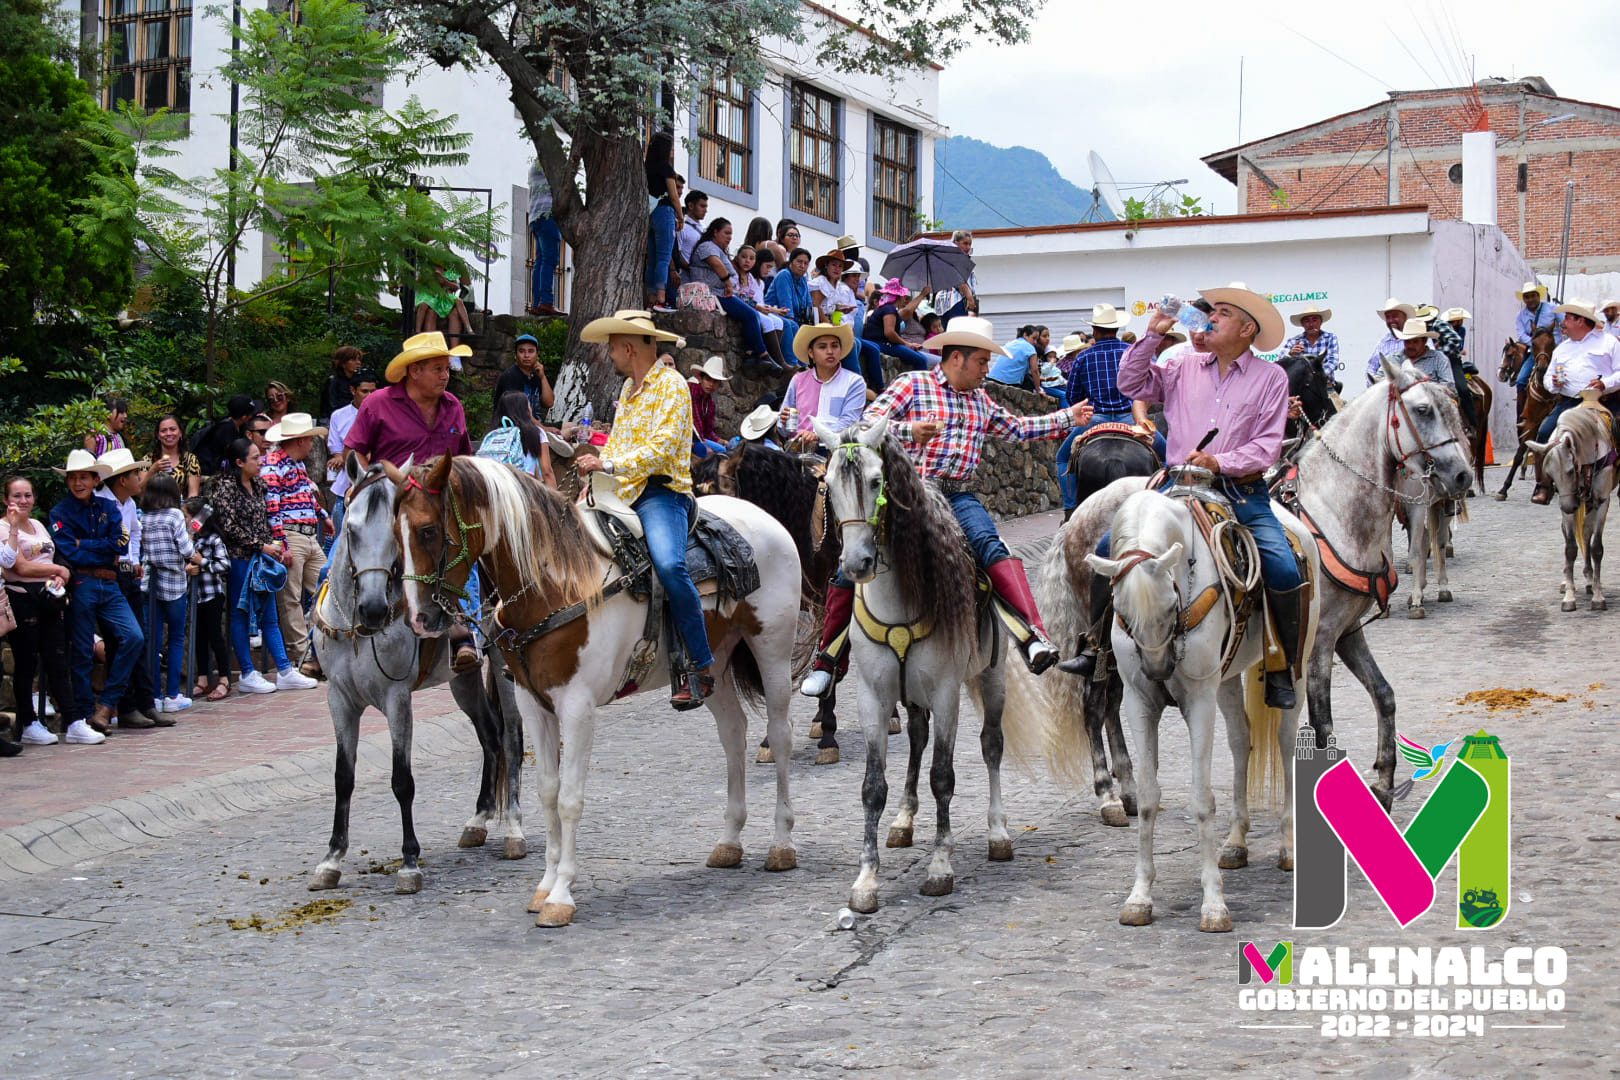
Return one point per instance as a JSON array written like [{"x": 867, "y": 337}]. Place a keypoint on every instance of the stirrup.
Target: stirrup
[
  {"x": 692, "y": 695},
  {"x": 1039, "y": 653}
]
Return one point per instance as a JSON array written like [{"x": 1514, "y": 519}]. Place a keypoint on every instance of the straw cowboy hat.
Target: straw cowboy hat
[
  {"x": 967, "y": 331},
  {"x": 1393, "y": 304},
  {"x": 295, "y": 425},
  {"x": 1108, "y": 317},
  {"x": 1071, "y": 344},
  {"x": 1426, "y": 312},
  {"x": 1175, "y": 334},
  {"x": 118, "y": 462},
  {"x": 1533, "y": 287},
  {"x": 428, "y": 346},
  {"x": 1611, "y": 303},
  {"x": 1298, "y": 317},
  {"x": 1455, "y": 314},
  {"x": 714, "y": 367},
  {"x": 628, "y": 321},
  {"x": 81, "y": 461},
  {"x": 846, "y": 242},
  {"x": 844, "y": 332},
  {"x": 757, "y": 424},
  {"x": 834, "y": 256},
  {"x": 1583, "y": 308},
  {"x": 559, "y": 445},
  {"x": 1415, "y": 328},
  {"x": 1257, "y": 307}
]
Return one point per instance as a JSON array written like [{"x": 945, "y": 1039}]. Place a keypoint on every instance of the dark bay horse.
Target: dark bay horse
[{"x": 1535, "y": 403}]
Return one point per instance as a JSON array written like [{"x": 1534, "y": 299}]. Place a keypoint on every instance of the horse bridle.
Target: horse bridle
[
  {"x": 852, "y": 451},
  {"x": 1177, "y": 638},
  {"x": 448, "y": 597}
]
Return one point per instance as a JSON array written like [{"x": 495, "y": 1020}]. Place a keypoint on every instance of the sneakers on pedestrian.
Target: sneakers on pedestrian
[
  {"x": 292, "y": 679},
  {"x": 254, "y": 683},
  {"x": 81, "y": 732},
  {"x": 50, "y": 708},
  {"x": 178, "y": 703},
  {"x": 37, "y": 734}
]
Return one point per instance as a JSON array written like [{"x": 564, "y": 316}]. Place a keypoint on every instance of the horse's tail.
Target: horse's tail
[
  {"x": 1046, "y": 715},
  {"x": 1580, "y": 528},
  {"x": 503, "y": 765},
  {"x": 1265, "y": 755},
  {"x": 746, "y": 677}
]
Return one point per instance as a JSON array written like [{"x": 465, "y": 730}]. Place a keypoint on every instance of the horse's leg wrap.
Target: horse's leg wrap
[{"x": 1287, "y": 610}]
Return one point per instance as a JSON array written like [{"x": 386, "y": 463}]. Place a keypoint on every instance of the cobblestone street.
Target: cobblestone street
[{"x": 127, "y": 962}]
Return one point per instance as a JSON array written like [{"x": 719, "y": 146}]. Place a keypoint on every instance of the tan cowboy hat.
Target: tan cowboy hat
[
  {"x": 1453, "y": 314},
  {"x": 968, "y": 331},
  {"x": 844, "y": 332},
  {"x": 1415, "y": 328},
  {"x": 81, "y": 461},
  {"x": 835, "y": 255},
  {"x": 1108, "y": 317},
  {"x": 627, "y": 321},
  {"x": 1426, "y": 312},
  {"x": 1257, "y": 307},
  {"x": 1612, "y": 302},
  {"x": 757, "y": 424},
  {"x": 428, "y": 346},
  {"x": 714, "y": 367},
  {"x": 846, "y": 242},
  {"x": 1175, "y": 334},
  {"x": 1298, "y": 317},
  {"x": 295, "y": 425},
  {"x": 1533, "y": 287},
  {"x": 118, "y": 462},
  {"x": 1071, "y": 344},
  {"x": 1583, "y": 308},
  {"x": 1393, "y": 304}
]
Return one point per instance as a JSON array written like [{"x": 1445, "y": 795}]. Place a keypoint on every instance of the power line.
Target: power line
[
  {"x": 940, "y": 162},
  {"x": 1323, "y": 198},
  {"x": 1421, "y": 66},
  {"x": 1337, "y": 57}
]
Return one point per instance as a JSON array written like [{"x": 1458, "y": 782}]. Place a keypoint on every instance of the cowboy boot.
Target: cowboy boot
[
  {"x": 465, "y": 655},
  {"x": 1011, "y": 587},
  {"x": 1085, "y": 663},
  {"x": 833, "y": 658},
  {"x": 100, "y": 719},
  {"x": 1286, "y": 608},
  {"x": 1543, "y": 493}
]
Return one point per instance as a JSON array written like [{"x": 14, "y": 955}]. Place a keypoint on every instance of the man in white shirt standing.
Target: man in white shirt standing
[{"x": 1587, "y": 359}]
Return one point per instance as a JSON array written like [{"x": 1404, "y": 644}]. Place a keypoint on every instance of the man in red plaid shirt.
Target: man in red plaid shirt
[{"x": 943, "y": 417}]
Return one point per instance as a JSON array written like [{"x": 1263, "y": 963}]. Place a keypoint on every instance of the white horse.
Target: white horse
[
  {"x": 571, "y": 632},
  {"x": 1579, "y": 460}
]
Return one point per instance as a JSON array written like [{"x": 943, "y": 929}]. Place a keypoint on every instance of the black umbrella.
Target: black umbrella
[{"x": 928, "y": 265}]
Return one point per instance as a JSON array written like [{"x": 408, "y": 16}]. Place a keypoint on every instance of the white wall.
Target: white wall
[{"x": 1476, "y": 267}]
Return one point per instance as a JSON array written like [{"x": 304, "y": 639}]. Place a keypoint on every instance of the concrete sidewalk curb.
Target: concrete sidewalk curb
[{"x": 59, "y": 842}]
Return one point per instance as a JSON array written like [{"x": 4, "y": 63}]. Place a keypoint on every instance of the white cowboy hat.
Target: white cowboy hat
[
  {"x": 1583, "y": 308},
  {"x": 428, "y": 346},
  {"x": 118, "y": 462},
  {"x": 559, "y": 445},
  {"x": 295, "y": 425},
  {"x": 1298, "y": 317},
  {"x": 714, "y": 367},
  {"x": 968, "y": 331},
  {"x": 81, "y": 461},
  {"x": 1415, "y": 328},
  {"x": 1426, "y": 312},
  {"x": 1612, "y": 302},
  {"x": 1393, "y": 304},
  {"x": 758, "y": 424},
  {"x": 1108, "y": 317},
  {"x": 1073, "y": 343},
  {"x": 1533, "y": 287},
  {"x": 844, "y": 332},
  {"x": 1257, "y": 307},
  {"x": 1452, "y": 314},
  {"x": 628, "y": 321}
]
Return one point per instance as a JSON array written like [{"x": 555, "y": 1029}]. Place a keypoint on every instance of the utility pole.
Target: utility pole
[{"x": 1389, "y": 155}]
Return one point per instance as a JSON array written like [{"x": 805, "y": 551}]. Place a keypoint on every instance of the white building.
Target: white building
[{"x": 838, "y": 153}]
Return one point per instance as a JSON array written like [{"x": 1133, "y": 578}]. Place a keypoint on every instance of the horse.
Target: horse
[
  {"x": 1308, "y": 381},
  {"x": 571, "y": 628},
  {"x": 919, "y": 634},
  {"x": 1479, "y": 433},
  {"x": 371, "y": 657},
  {"x": 1579, "y": 459},
  {"x": 1536, "y": 402},
  {"x": 1102, "y": 456}
]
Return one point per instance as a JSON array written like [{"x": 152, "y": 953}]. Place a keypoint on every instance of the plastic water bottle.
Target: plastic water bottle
[
  {"x": 585, "y": 424},
  {"x": 1187, "y": 317}
]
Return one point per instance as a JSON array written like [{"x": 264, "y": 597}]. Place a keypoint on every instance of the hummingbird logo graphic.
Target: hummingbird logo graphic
[{"x": 1425, "y": 761}]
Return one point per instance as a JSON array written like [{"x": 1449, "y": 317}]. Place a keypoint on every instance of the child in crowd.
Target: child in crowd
[
  {"x": 213, "y": 658},
  {"x": 171, "y": 561}
]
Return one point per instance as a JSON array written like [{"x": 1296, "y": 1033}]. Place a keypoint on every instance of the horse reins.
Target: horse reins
[{"x": 442, "y": 591}]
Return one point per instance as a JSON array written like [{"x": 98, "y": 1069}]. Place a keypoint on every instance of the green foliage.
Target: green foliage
[
  {"x": 1162, "y": 207},
  {"x": 552, "y": 334}
]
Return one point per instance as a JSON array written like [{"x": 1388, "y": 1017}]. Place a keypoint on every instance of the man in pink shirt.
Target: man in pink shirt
[{"x": 1227, "y": 409}]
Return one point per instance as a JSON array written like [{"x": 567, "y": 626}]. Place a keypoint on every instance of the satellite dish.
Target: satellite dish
[{"x": 1104, "y": 190}]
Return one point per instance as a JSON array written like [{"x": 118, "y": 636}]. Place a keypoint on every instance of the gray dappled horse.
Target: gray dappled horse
[{"x": 1578, "y": 457}]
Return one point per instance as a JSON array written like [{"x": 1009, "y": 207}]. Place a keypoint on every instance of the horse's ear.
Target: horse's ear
[
  {"x": 395, "y": 474},
  {"x": 352, "y": 469},
  {"x": 438, "y": 474},
  {"x": 1398, "y": 372},
  {"x": 830, "y": 436},
  {"x": 1104, "y": 567},
  {"x": 1537, "y": 447},
  {"x": 872, "y": 435},
  {"x": 1168, "y": 559}
]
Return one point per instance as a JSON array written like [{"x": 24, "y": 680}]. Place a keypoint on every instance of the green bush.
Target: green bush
[{"x": 553, "y": 337}]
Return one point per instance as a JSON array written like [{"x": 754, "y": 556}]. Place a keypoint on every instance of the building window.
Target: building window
[
  {"x": 814, "y": 171},
  {"x": 725, "y": 133},
  {"x": 894, "y": 188},
  {"x": 149, "y": 54}
]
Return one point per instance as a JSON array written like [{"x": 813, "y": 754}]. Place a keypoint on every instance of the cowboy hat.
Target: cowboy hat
[
  {"x": 853, "y": 267},
  {"x": 1426, "y": 312},
  {"x": 1533, "y": 287},
  {"x": 81, "y": 461},
  {"x": 836, "y": 255},
  {"x": 559, "y": 445},
  {"x": 714, "y": 367},
  {"x": 844, "y": 332},
  {"x": 428, "y": 346},
  {"x": 118, "y": 462},
  {"x": 1073, "y": 343},
  {"x": 1298, "y": 317},
  {"x": 967, "y": 331},
  {"x": 295, "y": 425},
  {"x": 1607, "y": 304},
  {"x": 627, "y": 321},
  {"x": 846, "y": 242},
  {"x": 1455, "y": 314},
  {"x": 1393, "y": 304},
  {"x": 1108, "y": 317},
  {"x": 1415, "y": 328},
  {"x": 758, "y": 424},
  {"x": 1175, "y": 334},
  {"x": 1257, "y": 307},
  {"x": 1583, "y": 308},
  {"x": 894, "y": 289}
]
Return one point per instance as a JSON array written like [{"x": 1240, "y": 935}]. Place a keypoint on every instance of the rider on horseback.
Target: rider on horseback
[
  {"x": 1587, "y": 358},
  {"x": 943, "y": 416},
  {"x": 1242, "y": 404},
  {"x": 1537, "y": 315},
  {"x": 1095, "y": 378}
]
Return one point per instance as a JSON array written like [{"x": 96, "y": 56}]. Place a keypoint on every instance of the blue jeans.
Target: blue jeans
[
  {"x": 1251, "y": 504},
  {"x": 169, "y": 631},
  {"x": 547, "y": 252},
  {"x": 666, "y": 519},
  {"x": 1525, "y": 369},
  {"x": 269, "y": 622},
  {"x": 743, "y": 314},
  {"x": 913, "y": 359},
  {"x": 702, "y": 448},
  {"x": 91, "y": 601},
  {"x": 958, "y": 308},
  {"x": 979, "y": 527},
  {"x": 1547, "y": 425},
  {"x": 1057, "y": 395},
  {"x": 866, "y": 360},
  {"x": 660, "y": 247}
]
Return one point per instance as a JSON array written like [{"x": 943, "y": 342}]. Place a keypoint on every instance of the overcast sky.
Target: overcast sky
[{"x": 1087, "y": 80}]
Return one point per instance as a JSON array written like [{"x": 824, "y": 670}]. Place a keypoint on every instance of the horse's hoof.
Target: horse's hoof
[
  {"x": 1114, "y": 816},
  {"x": 538, "y": 900},
  {"x": 1567, "y": 605},
  {"x": 894, "y": 725},
  {"x": 1001, "y": 851},
  {"x": 1500, "y": 496},
  {"x": 324, "y": 878},
  {"x": 898, "y": 837},
  {"x": 1136, "y": 915},
  {"x": 408, "y": 882},
  {"x": 725, "y": 856},
  {"x": 781, "y": 858},
  {"x": 815, "y": 729},
  {"x": 1233, "y": 858},
  {"x": 765, "y": 757},
  {"x": 827, "y": 755},
  {"x": 516, "y": 847},
  {"x": 1130, "y": 804},
  {"x": 473, "y": 836},
  {"x": 1403, "y": 568},
  {"x": 1600, "y": 605},
  {"x": 939, "y": 886},
  {"x": 1416, "y": 613},
  {"x": 1216, "y": 922},
  {"x": 555, "y": 915},
  {"x": 1285, "y": 861},
  {"x": 864, "y": 902},
  {"x": 1451, "y": 552},
  {"x": 1445, "y": 596}
]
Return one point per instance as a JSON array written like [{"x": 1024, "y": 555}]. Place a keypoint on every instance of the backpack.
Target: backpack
[{"x": 504, "y": 444}]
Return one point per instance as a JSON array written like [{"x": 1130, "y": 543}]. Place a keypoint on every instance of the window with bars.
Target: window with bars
[
  {"x": 725, "y": 133},
  {"x": 894, "y": 181},
  {"x": 813, "y": 156},
  {"x": 149, "y": 53}
]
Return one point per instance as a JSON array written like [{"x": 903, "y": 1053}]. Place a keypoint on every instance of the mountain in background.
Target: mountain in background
[{"x": 988, "y": 186}]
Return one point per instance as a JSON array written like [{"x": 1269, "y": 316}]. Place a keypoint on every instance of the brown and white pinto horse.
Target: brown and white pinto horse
[{"x": 568, "y": 629}]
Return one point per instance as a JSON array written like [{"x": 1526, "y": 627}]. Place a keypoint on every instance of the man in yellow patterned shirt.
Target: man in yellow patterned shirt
[{"x": 650, "y": 455}]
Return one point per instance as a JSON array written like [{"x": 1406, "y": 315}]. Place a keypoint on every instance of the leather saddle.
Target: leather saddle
[
  {"x": 1111, "y": 431},
  {"x": 717, "y": 555}
]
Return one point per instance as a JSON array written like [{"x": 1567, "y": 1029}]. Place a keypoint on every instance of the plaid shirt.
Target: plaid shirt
[
  {"x": 289, "y": 492},
  {"x": 1326, "y": 346},
  {"x": 968, "y": 417},
  {"x": 165, "y": 547},
  {"x": 1447, "y": 340},
  {"x": 1094, "y": 377},
  {"x": 216, "y": 567}
]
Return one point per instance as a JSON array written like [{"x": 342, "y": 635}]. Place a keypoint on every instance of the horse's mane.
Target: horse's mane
[
  {"x": 1133, "y": 592},
  {"x": 539, "y": 529},
  {"x": 786, "y": 488},
  {"x": 1373, "y": 399},
  {"x": 1590, "y": 430},
  {"x": 927, "y": 551}
]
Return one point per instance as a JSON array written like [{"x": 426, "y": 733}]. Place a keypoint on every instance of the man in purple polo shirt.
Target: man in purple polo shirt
[
  {"x": 416, "y": 416},
  {"x": 1239, "y": 404}
]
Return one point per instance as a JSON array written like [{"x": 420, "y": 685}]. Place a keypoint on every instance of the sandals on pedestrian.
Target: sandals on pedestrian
[
  {"x": 691, "y": 696},
  {"x": 221, "y": 691}
]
